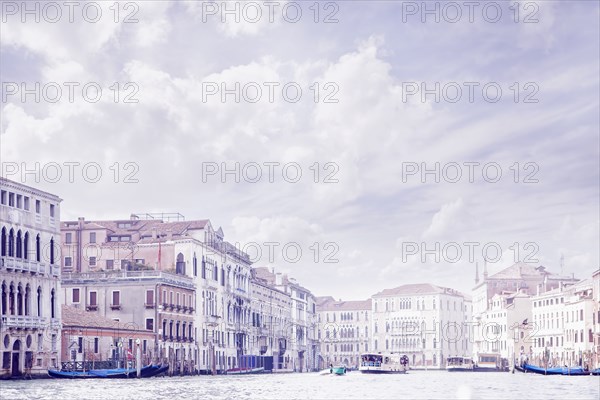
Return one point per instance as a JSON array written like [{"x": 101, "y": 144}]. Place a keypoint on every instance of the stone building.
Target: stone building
[
  {"x": 29, "y": 280},
  {"x": 427, "y": 323},
  {"x": 343, "y": 331}
]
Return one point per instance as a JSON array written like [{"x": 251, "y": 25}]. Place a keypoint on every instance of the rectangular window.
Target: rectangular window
[
  {"x": 149, "y": 297},
  {"x": 80, "y": 344},
  {"x": 68, "y": 261},
  {"x": 92, "y": 237},
  {"x": 11, "y": 199},
  {"x": 124, "y": 264},
  {"x": 150, "y": 324},
  {"x": 110, "y": 264},
  {"x": 68, "y": 238},
  {"x": 116, "y": 298},
  {"x": 93, "y": 299},
  {"x": 52, "y": 210},
  {"x": 96, "y": 345},
  {"x": 26, "y": 203},
  {"x": 92, "y": 261},
  {"x": 38, "y": 206},
  {"x": 75, "y": 295},
  {"x": 53, "y": 342},
  {"x": 40, "y": 343},
  {"x": 3, "y": 197},
  {"x": 19, "y": 201}
]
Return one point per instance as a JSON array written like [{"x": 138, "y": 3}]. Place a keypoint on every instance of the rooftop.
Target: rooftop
[
  {"x": 417, "y": 289},
  {"x": 77, "y": 317}
]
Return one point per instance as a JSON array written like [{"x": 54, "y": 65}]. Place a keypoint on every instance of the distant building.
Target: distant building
[
  {"x": 90, "y": 340},
  {"x": 343, "y": 331},
  {"x": 165, "y": 242},
  {"x": 518, "y": 278},
  {"x": 160, "y": 303},
  {"x": 564, "y": 320},
  {"x": 30, "y": 280},
  {"x": 427, "y": 323},
  {"x": 271, "y": 319},
  {"x": 302, "y": 344}
]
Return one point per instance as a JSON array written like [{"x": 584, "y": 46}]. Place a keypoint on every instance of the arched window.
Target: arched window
[
  {"x": 26, "y": 246},
  {"x": 4, "y": 298},
  {"x": 195, "y": 265},
  {"x": 52, "y": 304},
  {"x": 180, "y": 265},
  {"x": 19, "y": 245},
  {"x": 11, "y": 243},
  {"x": 52, "y": 254},
  {"x": 20, "y": 300},
  {"x": 38, "y": 248},
  {"x": 27, "y": 300},
  {"x": 39, "y": 301},
  {"x": 3, "y": 245}
]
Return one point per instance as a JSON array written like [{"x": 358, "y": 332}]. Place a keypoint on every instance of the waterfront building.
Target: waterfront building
[
  {"x": 343, "y": 331},
  {"x": 506, "y": 328},
  {"x": 519, "y": 277},
  {"x": 91, "y": 341},
  {"x": 158, "y": 302},
  {"x": 301, "y": 351},
  {"x": 564, "y": 321},
  {"x": 271, "y": 318},
  {"x": 29, "y": 279},
  {"x": 427, "y": 323},
  {"x": 168, "y": 243},
  {"x": 596, "y": 317}
]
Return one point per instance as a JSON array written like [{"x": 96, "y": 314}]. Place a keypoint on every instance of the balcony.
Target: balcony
[
  {"x": 23, "y": 322},
  {"x": 149, "y": 305},
  {"x": 20, "y": 265},
  {"x": 115, "y": 306},
  {"x": 92, "y": 307}
]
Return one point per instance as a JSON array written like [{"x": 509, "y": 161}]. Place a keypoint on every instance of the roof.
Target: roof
[
  {"x": 77, "y": 317},
  {"x": 417, "y": 289},
  {"x": 519, "y": 271},
  {"x": 351, "y": 305}
]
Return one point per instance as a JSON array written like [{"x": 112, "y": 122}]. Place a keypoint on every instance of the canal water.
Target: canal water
[{"x": 414, "y": 385}]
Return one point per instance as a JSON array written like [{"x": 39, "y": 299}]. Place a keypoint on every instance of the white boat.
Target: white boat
[
  {"x": 489, "y": 362},
  {"x": 455, "y": 364},
  {"x": 244, "y": 371},
  {"x": 387, "y": 363}
]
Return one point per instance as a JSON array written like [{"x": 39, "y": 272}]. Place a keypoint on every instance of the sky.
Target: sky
[{"x": 335, "y": 116}]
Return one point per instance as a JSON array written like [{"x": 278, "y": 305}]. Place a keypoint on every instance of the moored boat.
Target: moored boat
[
  {"x": 115, "y": 373},
  {"x": 455, "y": 364},
  {"x": 244, "y": 371},
  {"x": 569, "y": 371},
  {"x": 489, "y": 362},
  {"x": 388, "y": 363}
]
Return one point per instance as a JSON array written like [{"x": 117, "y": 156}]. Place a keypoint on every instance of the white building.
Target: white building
[
  {"x": 506, "y": 327},
  {"x": 520, "y": 277},
  {"x": 30, "y": 280},
  {"x": 343, "y": 331},
  {"x": 564, "y": 318},
  {"x": 428, "y": 323}
]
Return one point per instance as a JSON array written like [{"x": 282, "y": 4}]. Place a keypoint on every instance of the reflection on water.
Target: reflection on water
[{"x": 354, "y": 385}]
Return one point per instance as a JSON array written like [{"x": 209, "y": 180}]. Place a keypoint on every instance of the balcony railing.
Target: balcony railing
[
  {"x": 34, "y": 267},
  {"x": 24, "y": 322},
  {"x": 111, "y": 276},
  {"x": 92, "y": 307},
  {"x": 115, "y": 306},
  {"x": 149, "y": 305}
]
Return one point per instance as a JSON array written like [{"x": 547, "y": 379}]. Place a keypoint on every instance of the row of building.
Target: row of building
[{"x": 97, "y": 293}]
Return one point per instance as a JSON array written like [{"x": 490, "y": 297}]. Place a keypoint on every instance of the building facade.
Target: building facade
[
  {"x": 343, "y": 331},
  {"x": 427, "y": 323},
  {"x": 29, "y": 279}
]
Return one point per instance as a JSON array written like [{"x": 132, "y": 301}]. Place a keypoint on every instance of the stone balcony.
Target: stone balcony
[
  {"x": 34, "y": 267},
  {"x": 26, "y": 322}
]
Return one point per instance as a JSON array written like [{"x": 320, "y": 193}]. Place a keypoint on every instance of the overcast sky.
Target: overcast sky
[{"x": 369, "y": 124}]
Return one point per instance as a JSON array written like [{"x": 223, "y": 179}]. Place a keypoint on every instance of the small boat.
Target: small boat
[
  {"x": 454, "y": 364},
  {"x": 569, "y": 371},
  {"x": 490, "y": 362},
  {"x": 339, "y": 370},
  {"x": 595, "y": 371},
  {"x": 377, "y": 363},
  {"x": 244, "y": 371},
  {"x": 115, "y": 373}
]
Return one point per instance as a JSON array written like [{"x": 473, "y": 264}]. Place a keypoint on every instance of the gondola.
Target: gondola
[{"x": 116, "y": 373}]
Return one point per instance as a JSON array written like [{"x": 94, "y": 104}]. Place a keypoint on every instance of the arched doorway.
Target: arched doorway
[{"x": 16, "y": 357}]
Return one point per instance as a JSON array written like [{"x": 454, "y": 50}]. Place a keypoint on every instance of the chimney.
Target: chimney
[
  {"x": 476, "y": 273},
  {"x": 154, "y": 233},
  {"x": 81, "y": 221},
  {"x": 278, "y": 278},
  {"x": 169, "y": 234}
]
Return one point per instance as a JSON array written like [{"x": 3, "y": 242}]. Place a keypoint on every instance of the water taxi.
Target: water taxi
[
  {"x": 459, "y": 364},
  {"x": 490, "y": 362},
  {"x": 377, "y": 363}
]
